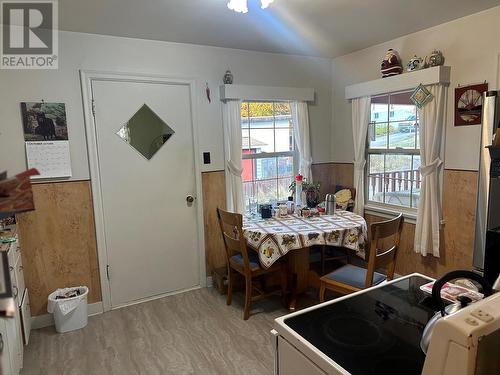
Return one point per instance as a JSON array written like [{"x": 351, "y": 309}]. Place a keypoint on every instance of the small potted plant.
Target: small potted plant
[{"x": 311, "y": 191}]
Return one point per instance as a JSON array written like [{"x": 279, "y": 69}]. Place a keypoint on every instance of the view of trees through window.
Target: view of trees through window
[
  {"x": 268, "y": 151},
  {"x": 393, "y": 151}
]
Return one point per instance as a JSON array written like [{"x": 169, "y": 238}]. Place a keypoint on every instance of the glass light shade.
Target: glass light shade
[
  {"x": 239, "y": 6},
  {"x": 265, "y": 3}
]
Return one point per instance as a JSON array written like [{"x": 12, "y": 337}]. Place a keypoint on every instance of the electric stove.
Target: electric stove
[{"x": 375, "y": 331}]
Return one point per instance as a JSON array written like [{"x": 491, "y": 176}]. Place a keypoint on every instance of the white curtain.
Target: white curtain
[
  {"x": 360, "y": 121},
  {"x": 431, "y": 120},
  {"x": 232, "y": 146},
  {"x": 300, "y": 119}
]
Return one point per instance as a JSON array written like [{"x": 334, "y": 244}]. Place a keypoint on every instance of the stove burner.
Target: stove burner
[{"x": 352, "y": 332}]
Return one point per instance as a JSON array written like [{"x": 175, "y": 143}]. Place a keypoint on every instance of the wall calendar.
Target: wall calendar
[
  {"x": 51, "y": 159},
  {"x": 46, "y": 139}
]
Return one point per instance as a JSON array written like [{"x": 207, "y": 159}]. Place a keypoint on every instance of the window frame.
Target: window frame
[
  {"x": 277, "y": 154},
  {"x": 383, "y": 209}
]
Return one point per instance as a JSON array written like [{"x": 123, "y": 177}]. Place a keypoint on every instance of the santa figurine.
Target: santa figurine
[{"x": 391, "y": 65}]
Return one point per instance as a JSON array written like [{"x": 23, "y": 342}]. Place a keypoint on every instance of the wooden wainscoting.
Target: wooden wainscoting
[
  {"x": 58, "y": 243},
  {"x": 214, "y": 195},
  {"x": 457, "y": 236},
  {"x": 332, "y": 174},
  {"x": 59, "y": 246}
]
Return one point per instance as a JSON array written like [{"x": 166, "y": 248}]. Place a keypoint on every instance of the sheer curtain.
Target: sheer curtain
[
  {"x": 360, "y": 121},
  {"x": 431, "y": 119},
  {"x": 233, "y": 145},
  {"x": 300, "y": 120}
]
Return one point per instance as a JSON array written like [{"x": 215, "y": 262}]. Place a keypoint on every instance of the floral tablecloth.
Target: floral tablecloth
[{"x": 273, "y": 238}]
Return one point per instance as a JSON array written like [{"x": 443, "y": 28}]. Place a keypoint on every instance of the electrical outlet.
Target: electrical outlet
[{"x": 482, "y": 315}]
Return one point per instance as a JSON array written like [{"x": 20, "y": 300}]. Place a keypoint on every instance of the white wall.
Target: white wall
[
  {"x": 471, "y": 46},
  {"x": 205, "y": 64}
]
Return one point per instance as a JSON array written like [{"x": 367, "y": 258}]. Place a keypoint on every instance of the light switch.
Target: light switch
[{"x": 206, "y": 158}]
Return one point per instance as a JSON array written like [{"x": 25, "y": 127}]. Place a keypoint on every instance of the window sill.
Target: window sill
[{"x": 389, "y": 212}]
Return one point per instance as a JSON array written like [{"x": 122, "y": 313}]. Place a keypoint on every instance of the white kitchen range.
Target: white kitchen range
[{"x": 379, "y": 331}]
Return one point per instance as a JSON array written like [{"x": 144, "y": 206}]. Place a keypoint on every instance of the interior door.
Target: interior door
[{"x": 147, "y": 178}]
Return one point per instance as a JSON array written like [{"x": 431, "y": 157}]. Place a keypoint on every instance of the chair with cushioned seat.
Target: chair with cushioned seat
[
  {"x": 244, "y": 261},
  {"x": 334, "y": 253},
  {"x": 351, "y": 278}
]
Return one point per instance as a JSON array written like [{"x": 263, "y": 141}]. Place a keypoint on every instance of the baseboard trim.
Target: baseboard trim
[{"x": 47, "y": 320}]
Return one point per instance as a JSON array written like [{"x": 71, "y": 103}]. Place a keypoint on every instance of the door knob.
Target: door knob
[{"x": 190, "y": 199}]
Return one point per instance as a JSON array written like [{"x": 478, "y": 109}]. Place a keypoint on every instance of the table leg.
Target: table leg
[{"x": 298, "y": 263}]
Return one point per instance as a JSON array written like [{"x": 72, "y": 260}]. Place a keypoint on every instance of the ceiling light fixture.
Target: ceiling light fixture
[
  {"x": 265, "y": 3},
  {"x": 241, "y": 6}
]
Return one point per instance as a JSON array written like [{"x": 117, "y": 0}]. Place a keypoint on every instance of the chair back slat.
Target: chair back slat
[
  {"x": 233, "y": 245},
  {"x": 390, "y": 231},
  {"x": 386, "y": 228},
  {"x": 231, "y": 225},
  {"x": 386, "y": 258},
  {"x": 230, "y": 218}
]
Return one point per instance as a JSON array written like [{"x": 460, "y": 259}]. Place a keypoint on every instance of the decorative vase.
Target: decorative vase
[
  {"x": 415, "y": 63},
  {"x": 312, "y": 197},
  {"x": 436, "y": 58}
]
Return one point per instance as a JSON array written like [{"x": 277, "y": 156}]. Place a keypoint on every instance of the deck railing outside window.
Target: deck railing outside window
[{"x": 393, "y": 152}]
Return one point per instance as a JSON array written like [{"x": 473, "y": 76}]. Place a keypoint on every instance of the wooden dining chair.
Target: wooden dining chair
[
  {"x": 351, "y": 278},
  {"x": 334, "y": 253},
  {"x": 245, "y": 261}
]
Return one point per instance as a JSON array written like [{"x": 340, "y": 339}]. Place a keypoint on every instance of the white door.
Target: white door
[{"x": 150, "y": 228}]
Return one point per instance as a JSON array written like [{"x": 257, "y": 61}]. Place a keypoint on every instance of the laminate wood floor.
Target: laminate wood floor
[{"x": 189, "y": 333}]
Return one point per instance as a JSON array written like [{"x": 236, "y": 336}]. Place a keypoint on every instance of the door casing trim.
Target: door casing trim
[{"x": 86, "y": 79}]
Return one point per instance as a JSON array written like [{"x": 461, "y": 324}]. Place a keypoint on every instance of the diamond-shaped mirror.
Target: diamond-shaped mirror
[{"x": 146, "y": 132}]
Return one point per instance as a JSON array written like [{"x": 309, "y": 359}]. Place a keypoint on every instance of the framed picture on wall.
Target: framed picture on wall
[{"x": 469, "y": 104}]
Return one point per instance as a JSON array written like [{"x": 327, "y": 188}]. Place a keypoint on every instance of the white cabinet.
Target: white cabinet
[
  {"x": 13, "y": 344},
  {"x": 4, "y": 357},
  {"x": 11, "y": 329},
  {"x": 26, "y": 317},
  {"x": 293, "y": 362}
]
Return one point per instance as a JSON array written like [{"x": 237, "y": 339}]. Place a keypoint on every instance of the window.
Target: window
[
  {"x": 393, "y": 152},
  {"x": 268, "y": 148}
]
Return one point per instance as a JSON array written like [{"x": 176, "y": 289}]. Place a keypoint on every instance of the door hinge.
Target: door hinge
[
  {"x": 107, "y": 271},
  {"x": 93, "y": 107}
]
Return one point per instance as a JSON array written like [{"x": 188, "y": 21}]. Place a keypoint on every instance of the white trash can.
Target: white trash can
[{"x": 69, "y": 313}]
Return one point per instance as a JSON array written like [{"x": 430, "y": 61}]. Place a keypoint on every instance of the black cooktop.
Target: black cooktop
[{"x": 377, "y": 332}]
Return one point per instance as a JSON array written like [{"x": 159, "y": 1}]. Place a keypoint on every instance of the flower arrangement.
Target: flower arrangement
[{"x": 311, "y": 191}]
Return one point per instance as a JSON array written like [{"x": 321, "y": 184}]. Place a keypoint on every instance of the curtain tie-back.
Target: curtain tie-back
[
  {"x": 233, "y": 169},
  {"x": 426, "y": 170},
  {"x": 359, "y": 164}
]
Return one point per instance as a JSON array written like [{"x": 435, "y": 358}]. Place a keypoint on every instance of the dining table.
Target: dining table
[{"x": 292, "y": 236}]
